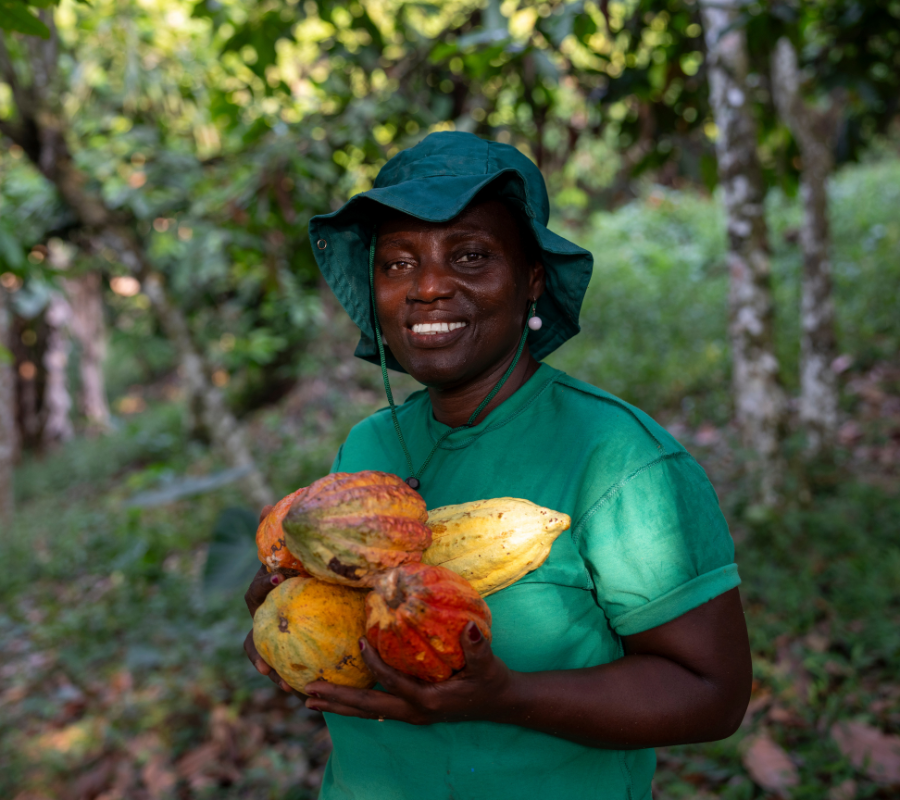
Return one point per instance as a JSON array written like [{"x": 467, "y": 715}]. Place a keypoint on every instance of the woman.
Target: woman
[{"x": 631, "y": 634}]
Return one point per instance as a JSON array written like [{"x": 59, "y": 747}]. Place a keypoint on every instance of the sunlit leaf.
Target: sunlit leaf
[{"x": 15, "y": 16}]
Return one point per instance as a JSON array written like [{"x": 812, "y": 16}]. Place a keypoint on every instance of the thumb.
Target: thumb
[{"x": 476, "y": 648}]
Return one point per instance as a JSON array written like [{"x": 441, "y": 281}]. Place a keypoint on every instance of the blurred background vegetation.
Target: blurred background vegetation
[{"x": 170, "y": 358}]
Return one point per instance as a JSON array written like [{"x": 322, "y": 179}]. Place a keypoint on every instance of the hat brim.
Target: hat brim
[{"x": 341, "y": 240}]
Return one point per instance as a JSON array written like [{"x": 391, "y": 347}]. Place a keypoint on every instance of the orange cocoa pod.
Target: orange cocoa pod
[
  {"x": 270, "y": 544},
  {"x": 415, "y": 615},
  {"x": 349, "y": 526}
]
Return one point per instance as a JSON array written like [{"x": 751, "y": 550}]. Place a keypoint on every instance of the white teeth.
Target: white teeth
[{"x": 438, "y": 327}]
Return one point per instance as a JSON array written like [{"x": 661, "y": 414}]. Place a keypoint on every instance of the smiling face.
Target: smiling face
[{"x": 452, "y": 297}]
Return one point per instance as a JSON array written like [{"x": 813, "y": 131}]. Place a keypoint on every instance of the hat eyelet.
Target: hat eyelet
[{"x": 321, "y": 244}]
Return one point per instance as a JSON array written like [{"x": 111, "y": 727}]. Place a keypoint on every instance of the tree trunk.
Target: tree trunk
[
  {"x": 57, "y": 400},
  {"x": 86, "y": 299},
  {"x": 84, "y": 295},
  {"x": 8, "y": 432},
  {"x": 758, "y": 396},
  {"x": 815, "y": 133},
  {"x": 40, "y": 132}
]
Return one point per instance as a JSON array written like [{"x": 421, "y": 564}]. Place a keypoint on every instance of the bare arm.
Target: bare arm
[{"x": 685, "y": 681}]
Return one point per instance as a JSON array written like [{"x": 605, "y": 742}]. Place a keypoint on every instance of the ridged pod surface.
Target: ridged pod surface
[
  {"x": 493, "y": 543},
  {"x": 349, "y": 526},
  {"x": 415, "y": 615},
  {"x": 309, "y": 630},
  {"x": 270, "y": 546}
]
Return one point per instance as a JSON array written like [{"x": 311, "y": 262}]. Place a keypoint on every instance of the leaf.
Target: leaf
[
  {"x": 186, "y": 486},
  {"x": 870, "y": 750},
  {"x": 10, "y": 250},
  {"x": 231, "y": 560},
  {"x": 15, "y": 16},
  {"x": 769, "y": 765}
]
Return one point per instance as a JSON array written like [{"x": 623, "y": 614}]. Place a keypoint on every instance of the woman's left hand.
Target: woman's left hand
[{"x": 471, "y": 694}]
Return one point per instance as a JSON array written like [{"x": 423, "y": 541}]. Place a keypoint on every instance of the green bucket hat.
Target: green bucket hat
[{"x": 435, "y": 181}]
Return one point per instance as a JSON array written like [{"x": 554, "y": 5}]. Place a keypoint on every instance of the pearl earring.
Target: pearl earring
[{"x": 535, "y": 322}]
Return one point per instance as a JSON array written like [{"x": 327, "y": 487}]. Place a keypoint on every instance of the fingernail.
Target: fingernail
[
  {"x": 362, "y": 644},
  {"x": 475, "y": 633},
  {"x": 276, "y": 579},
  {"x": 312, "y": 706},
  {"x": 312, "y": 694}
]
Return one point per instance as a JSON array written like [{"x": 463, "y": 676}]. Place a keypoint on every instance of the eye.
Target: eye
[
  {"x": 469, "y": 257},
  {"x": 397, "y": 265}
]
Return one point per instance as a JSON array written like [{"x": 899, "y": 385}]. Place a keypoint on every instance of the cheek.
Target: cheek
[{"x": 389, "y": 301}]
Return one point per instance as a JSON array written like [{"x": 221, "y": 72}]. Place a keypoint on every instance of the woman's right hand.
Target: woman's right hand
[{"x": 263, "y": 583}]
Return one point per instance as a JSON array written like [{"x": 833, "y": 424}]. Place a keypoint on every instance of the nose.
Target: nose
[{"x": 432, "y": 281}]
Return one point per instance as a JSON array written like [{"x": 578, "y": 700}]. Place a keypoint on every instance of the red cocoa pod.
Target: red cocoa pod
[{"x": 415, "y": 615}]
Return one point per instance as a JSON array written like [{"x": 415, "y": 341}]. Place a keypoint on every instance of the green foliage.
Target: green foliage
[
  {"x": 655, "y": 317},
  {"x": 654, "y": 322},
  {"x": 15, "y": 15}
]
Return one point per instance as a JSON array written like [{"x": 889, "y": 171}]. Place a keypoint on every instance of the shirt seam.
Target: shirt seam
[
  {"x": 617, "y": 487},
  {"x": 618, "y": 403},
  {"x": 626, "y": 770}
]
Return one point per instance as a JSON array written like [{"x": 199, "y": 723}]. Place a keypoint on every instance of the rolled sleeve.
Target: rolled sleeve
[{"x": 657, "y": 545}]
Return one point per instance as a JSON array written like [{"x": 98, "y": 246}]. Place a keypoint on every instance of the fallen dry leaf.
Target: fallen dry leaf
[
  {"x": 869, "y": 749},
  {"x": 790, "y": 665},
  {"x": 845, "y": 790},
  {"x": 758, "y": 702},
  {"x": 91, "y": 783},
  {"x": 784, "y": 716},
  {"x": 198, "y": 762},
  {"x": 769, "y": 765},
  {"x": 158, "y": 777}
]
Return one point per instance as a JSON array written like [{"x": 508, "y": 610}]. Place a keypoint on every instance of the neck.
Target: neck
[{"x": 453, "y": 406}]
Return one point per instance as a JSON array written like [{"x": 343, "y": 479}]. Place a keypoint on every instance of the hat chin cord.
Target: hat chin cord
[{"x": 414, "y": 479}]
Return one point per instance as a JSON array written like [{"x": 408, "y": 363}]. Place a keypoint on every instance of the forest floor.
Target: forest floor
[{"x": 123, "y": 677}]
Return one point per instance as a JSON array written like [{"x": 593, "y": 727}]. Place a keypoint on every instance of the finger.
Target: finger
[
  {"x": 366, "y": 703},
  {"x": 476, "y": 648},
  {"x": 265, "y": 512},
  {"x": 263, "y": 583},
  {"x": 253, "y": 654},
  {"x": 393, "y": 680}
]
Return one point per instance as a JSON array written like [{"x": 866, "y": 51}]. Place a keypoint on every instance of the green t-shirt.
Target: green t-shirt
[{"x": 647, "y": 543}]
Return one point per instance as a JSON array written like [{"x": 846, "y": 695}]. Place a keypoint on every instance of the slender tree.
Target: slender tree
[
  {"x": 815, "y": 131},
  {"x": 57, "y": 425},
  {"x": 8, "y": 434},
  {"x": 84, "y": 293},
  {"x": 758, "y": 395}
]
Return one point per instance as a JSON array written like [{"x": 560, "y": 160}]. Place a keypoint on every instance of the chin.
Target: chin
[{"x": 433, "y": 370}]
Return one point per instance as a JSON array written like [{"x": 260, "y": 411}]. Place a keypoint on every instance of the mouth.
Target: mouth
[
  {"x": 430, "y": 335},
  {"x": 434, "y": 328}
]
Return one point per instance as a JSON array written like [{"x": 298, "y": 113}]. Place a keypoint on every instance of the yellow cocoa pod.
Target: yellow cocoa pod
[
  {"x": 309, "y": 630},
  {"x": 492, "y": 543}
]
